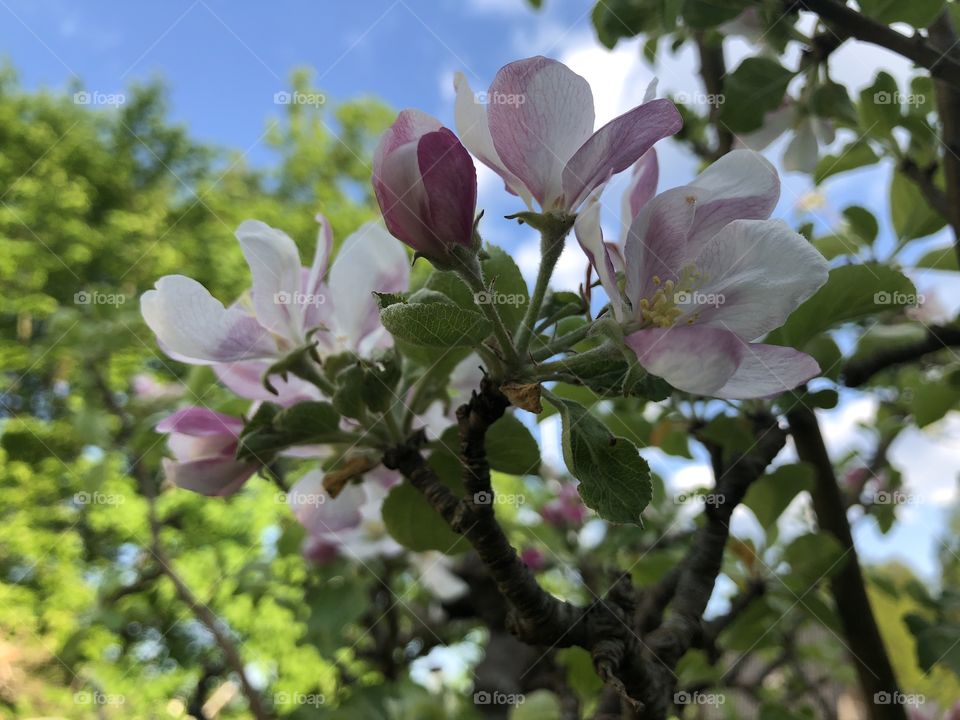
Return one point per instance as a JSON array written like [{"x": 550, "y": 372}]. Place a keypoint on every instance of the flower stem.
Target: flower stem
[
  {"x": 473, "y": 276},
  {"x": 562, "y": 343},
  {"x": 552, "y": 236}
]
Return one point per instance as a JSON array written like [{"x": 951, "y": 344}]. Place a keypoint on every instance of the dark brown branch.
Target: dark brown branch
[
  {"x": 846, "y": 584},
  {"x": 943, "y": 36},
  {"x": 847, "y": 22},
  {"x": 938, "y": 337},
  {"x": 713, "y": 69}
]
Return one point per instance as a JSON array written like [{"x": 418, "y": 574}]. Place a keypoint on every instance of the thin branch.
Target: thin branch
[
  {"x": 938, "y": 337},
  {"x": 847, "y": 22},
  {"x": 847, "y": 587},
  {"x": 713, "y": 69},
  {"x": 943, "y": 35}
]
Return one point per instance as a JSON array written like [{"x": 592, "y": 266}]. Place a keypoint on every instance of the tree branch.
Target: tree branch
[
  {"x": 850, "y": 23},
  {"x": 943, "y": 36},
  {"x": 847, "y": 587},
  {"x": 939, "y": 337}
]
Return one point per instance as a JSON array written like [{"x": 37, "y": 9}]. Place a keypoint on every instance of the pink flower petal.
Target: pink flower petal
[
  {"x": 616, "y": 146},
  {"x": 695, "y": 359},
  {"x": 200, "y": 421},
  {"x": 590, "y": 236},
  {"x": 768, "y": 370},
  {"x": 450, "y": 181},
  {"x": 643, "y": 186},
  {"x": 216, "y": 477},
  {"x": 540, "y": 112}
]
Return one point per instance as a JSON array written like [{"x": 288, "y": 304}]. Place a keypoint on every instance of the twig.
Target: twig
[
  {"x": 938, "y": 337},
  {"x": 847, "y": 587}
]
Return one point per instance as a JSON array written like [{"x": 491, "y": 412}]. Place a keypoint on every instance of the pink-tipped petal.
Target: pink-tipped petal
[
  {"x": 590, "y": 236},
  {"x": 616, "y": 146},
  {"x": 318, "y": 512},
  {"x": 643, "y": 186},
  {"x": 246, "y": 380},
  {"x": 200, "y": 421},
  {"x": 214, "y": 477},
  {"x": 194, "y": 327},
  {"x": 694, "y": 359},
  {"x": 754, "y": 274},
  {"x": 768, "y": 370},
  {"x": 540, "y": 112},
  {"x": 275, "y": 265},
  {"x": 742, "y": 185},
  {"x": 450, "y": 181},
  {"x": 656, "y": 244},
  {"x": 474, "y": 131}
]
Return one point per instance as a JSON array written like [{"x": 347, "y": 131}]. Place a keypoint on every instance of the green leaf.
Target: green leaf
[
  {"x": 832, "y": 246},
  {"x": 880, "y": 106},
  {"x": 413, "y": 523},
  {"x": 937, "y": 643},
  {"x": 812, "y": 558},
  {"x": 705, "y": 14},
  {"x": 271, "y": 429},
  {"x": 862, "y": 222},
  {"x": 918, "y": 13},
  {"x": 614, "y": 479},
  {"x": 851, "y": 292},
  {"x": 435, "y": 324},
  {"x": 831, "y": 100},
  {"x": 769, "y": 496},
  {"x": 755, "y": 88},
  {"x": 854, "y": 155},
  {"x": 509, "y": 289},
  {"x": 940, "y": 259},
  {"x": 910, "y": 212},
  {"x": 511, "y": 448},
  {"x": 932, "y": 399}
]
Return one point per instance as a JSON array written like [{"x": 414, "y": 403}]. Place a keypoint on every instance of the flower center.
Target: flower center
[{"x": 661, "y": 309}]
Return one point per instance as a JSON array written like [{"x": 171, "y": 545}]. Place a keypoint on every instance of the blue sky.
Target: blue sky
[{"x": 224, "y": 60}]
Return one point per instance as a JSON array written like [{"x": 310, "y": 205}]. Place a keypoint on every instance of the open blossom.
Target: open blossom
[
  {"x": 287, "y": 302},
  {"x": 706, "y": 274},
  {"x": 426, "y": 185},
  {"x": 203, "y": 443},
  {"x": 536, "y": 131}
]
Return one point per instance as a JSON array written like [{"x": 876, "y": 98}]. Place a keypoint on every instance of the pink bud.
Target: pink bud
[
  {"x": 533, "y": 558},
  {"x": 566, "y": 509},
  {"x": 426, "y": 185}
]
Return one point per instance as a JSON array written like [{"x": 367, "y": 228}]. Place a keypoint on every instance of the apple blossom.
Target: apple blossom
[
  {"x": 287, "y": 303},
  {"x": 706, "y": 273},
  {"x": 426, "y": 185},
  {"x": 203, "y": 443},
  {"x": 537, "y": 132}
]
